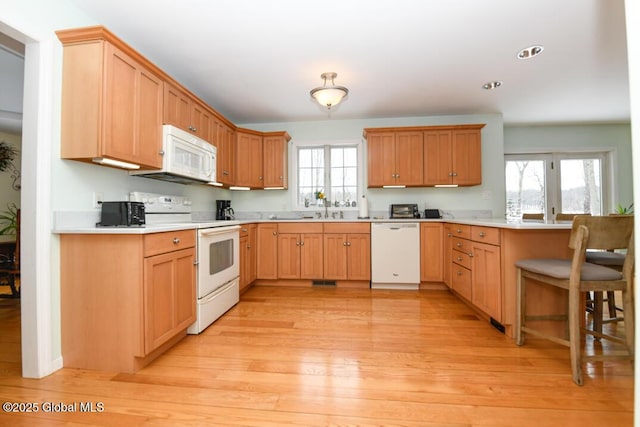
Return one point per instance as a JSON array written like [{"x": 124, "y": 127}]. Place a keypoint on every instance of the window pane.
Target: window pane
[
  {"x": 525, "y": 183},
  {"x": 581, "y": 186},
  {"x": 351, "y": 156},
  {"x": 304, "y": 158}
]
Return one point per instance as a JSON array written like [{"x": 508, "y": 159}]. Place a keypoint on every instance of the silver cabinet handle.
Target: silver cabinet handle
[
  {"x": 459, "y": 244},
  {"x": 459, "y": 258},
  {"x": 176, "y": 240},
  {"x": 459, "y": 273},
  {"x": 161, "y": 152},
  {"x": 482, "y": 234},
  {"x": 449, "y": 234},
  {"x": 302, "y": 243},
  {"x": 470, "y": 254},
  {"x": 244, "y": 230},
  {"x": 275, "y": 233}
]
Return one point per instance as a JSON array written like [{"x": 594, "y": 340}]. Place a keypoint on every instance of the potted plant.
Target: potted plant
[
  {"x": 622, "y": 210},
  {"x": 9, "y": 220}
]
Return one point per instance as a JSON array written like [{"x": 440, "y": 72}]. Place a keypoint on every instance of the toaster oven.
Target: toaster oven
[
  {"x": 404, "y": 211},
  {"x": 122, "y": 214}
]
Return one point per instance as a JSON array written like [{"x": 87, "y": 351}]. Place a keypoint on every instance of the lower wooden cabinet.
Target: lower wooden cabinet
[
  {"x": 300, "y": 256},
  {"x": 431, "y": 263},
  {"x": 267, "y": 249},
  {"x": 347, "y": 255},
  {"x": 125, "y": 298},
  {"x": 248, "y": 255}
]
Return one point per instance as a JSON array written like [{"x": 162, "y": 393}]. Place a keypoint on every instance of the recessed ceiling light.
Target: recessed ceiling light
[
  {"x": 492, "y": 85},
  {"x": 530, "y": 52}
]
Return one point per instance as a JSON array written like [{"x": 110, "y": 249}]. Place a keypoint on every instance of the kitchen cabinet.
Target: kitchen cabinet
[
  {"x": 187, "y": 113},
  {"x": 394, "y": 158},
  {"x": 347, "y": 251},
  {"x": 125, "y": 299},
  {"x": 111, "y": 100},
  {"x": 261, "y": 159},
  {"x": 169, "y": 287},
  {"x": 453, "y": 156},
  {"x": 224, "y": 139},
  {"x": 476, "y": 271},
  {"x": 300, "y": 251},
  {"x": 431, "y": 252},
  {"x": 267, "y": 243},
  {"x": 248, "y": 255},
  {"x": 448, "y": 230}
]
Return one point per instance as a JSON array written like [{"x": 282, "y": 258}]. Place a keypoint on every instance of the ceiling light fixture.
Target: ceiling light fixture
[
  {"x": 331, "y": 95},
  {"x": 530, "y": 52},
  {"x": 492, "y": 85}
]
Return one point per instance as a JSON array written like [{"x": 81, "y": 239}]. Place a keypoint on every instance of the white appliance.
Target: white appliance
[
  {"x": 186, "y": 159},
  {"x": 217, "y": 255},
  {"x": 395, "y": 255}
]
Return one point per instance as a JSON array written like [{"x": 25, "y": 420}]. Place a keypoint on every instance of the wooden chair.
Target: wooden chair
[
  {"x": 533, "y": 217},
  {"x": 567, "y": 216},
  {"x": 595, "y": 304},
  {"x": 577, "y": 276},
  {"x": 11, "y": 270}
]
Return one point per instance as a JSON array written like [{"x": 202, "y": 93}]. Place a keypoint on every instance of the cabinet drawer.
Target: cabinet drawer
[
  {"x": 462, "y": 245},
  {"x": 300, "y": 227},
  {"x": 463, "y": 231},
  {"x": 347, "y": 227},
  {"x": 488, "y": 235},
  {"x": 461, "y": 258},
  {"x": 244, "y": 229},
  {"x": 159, "y": 243},
  {"x": 461, "y": 281}
]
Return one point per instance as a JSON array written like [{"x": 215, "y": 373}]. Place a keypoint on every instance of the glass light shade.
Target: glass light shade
[{"x": 329, "y": 95}]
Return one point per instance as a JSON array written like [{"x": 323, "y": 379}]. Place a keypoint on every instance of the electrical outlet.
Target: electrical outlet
[{"x": 98, "y": 198}]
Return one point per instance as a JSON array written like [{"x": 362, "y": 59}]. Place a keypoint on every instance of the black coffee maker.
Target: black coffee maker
[{"x": 224, "y": 210}]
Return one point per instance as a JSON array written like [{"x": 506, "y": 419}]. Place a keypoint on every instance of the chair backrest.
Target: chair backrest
[
  {"x": 532, "y": 216},
  {"x": 605, "y": 232},
  {"x": 567, "y": 216}
]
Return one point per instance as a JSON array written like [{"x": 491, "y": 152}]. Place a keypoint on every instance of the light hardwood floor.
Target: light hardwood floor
[{"x": 329, "y": 357}]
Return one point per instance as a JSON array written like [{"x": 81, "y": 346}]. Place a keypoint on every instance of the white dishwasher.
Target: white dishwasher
[{"x": 395, "y": 255}]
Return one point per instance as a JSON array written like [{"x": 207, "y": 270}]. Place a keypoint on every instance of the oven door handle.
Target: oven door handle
[{"x": 218, "y": 230}]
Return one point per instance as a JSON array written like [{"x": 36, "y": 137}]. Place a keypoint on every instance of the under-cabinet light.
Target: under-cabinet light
[
  {"x": 240, "y": 188},
  {"x": 394, "y": 186},
  {"x": 214, "y": 184},
  {"x": 446, "y": 185},
  {"x": 274, "y": 188},
  {"x": 116, "y": 163}
]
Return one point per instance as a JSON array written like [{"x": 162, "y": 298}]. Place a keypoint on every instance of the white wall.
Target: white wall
[
  {"x": 611, "y": 137},
  {"x": 379, "y": 199}
]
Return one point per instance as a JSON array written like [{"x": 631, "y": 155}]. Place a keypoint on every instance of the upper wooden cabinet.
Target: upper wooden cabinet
[
  {"x": 111, "y": 100},
  {"x": 394, "y": 158},
  {"x": 424, "y": 155},
  {"x": 261, "y": 159},
  {"x": 453, "y": 156},
  {"x": 187, "y": 113},
  {"x": 224, "y": 139}
]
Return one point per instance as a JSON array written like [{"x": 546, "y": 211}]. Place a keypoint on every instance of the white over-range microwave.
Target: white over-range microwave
[{"x": 186, "y": 159}]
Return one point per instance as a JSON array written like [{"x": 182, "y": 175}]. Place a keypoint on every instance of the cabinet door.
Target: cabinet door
[
  {"x": 267, "y": 243},
  {"x": 431, "y": 251},
  {"x": 244, "y": 262},
  {"x": 448, "y": 248},
  {"x": 461, "y": 281},
  {"x": 133, "y": 101},
  {"x": 380, "y": 159},
  {"x": 249, "y": 160},
  {"x": 335, "y": 256},
  {"x": 466, "y": 157},
  {"x": 169, "y": 296},
  {"x": 359, "y": 256},
  {"x": 201, "y": 121},
  {"x": 288, "y": 256},
  {"x": 253, "y": 253},
  {"x": 224, "y": 138},
  {"x": 311, "y": 256},
  {"x": 486, "y": 292},
  {"x": 437, "y": 158},
  {"x": 274, "y": 161},
  {"x": 177, "y": 107},
  {"x": 408, "y": 158}
]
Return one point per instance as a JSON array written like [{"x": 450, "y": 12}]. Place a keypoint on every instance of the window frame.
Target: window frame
[
  {"x": 553, "y": 191},
  {"x": 294, "y": 171}
]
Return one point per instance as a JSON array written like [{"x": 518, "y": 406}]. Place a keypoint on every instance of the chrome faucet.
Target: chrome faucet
[{"x": 326, "y": 208}]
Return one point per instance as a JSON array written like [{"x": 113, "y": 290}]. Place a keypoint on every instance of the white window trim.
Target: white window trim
[
  {"x": 606, "y": 155},
  {"x": 293, "y": 171}
]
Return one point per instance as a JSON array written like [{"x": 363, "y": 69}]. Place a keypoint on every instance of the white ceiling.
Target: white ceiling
[{"x": 256, "y": 60}]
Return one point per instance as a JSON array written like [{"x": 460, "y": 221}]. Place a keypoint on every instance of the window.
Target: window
[
  {"x": 556, "y": 182},
  {"x": 328, "y": 171}
]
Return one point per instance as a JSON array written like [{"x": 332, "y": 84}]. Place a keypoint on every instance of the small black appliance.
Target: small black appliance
[
  {"x": 122, "y": 214},
  {"x": 224, "y": 211}
]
